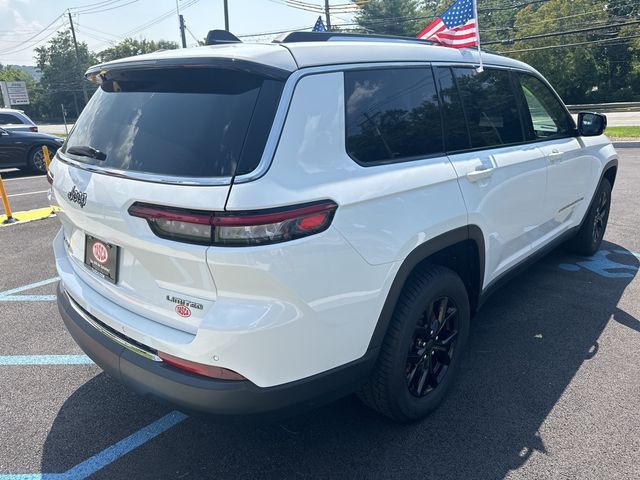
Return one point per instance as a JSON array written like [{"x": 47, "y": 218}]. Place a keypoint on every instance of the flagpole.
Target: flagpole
[{"x": 475, "y": 13}]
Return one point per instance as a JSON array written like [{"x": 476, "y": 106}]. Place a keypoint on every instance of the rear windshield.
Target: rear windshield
[{"x": 186, "y": 122}]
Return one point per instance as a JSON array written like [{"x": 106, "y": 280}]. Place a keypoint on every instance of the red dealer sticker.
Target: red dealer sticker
[
  {"x": 183, "y": 311},
  {"x": 100, "y": 252}
]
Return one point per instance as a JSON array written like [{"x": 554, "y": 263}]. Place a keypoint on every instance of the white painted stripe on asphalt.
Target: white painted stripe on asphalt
[
  {"x": 5, "y": 180},
  {"x": 26, "y": 193}
]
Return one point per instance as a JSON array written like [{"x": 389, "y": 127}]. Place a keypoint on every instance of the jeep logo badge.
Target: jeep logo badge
[{"x": 77, "y": 196}]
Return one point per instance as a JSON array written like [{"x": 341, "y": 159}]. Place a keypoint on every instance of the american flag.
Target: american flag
[
  {"x": 456, "y": 28},
  {"x": 319, "y": 26}
]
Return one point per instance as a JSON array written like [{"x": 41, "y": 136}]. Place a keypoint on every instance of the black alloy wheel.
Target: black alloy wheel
[
  {"x": 601, "y": 215},
  {"x": 432, "y": 347},
  {"x": 588, "y": 239},
  {"x": 421, "y": 351}
]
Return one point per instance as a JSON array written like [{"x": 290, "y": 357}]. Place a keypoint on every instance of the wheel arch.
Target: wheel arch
[
  {"x": 610, "y": 171},
  {"x": 461, "y": 249}
]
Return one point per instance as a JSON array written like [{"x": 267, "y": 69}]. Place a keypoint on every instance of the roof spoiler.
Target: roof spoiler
[{"x": 221, "y": 37}]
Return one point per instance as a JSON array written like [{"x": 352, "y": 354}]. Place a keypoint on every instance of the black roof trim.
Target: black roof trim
[{"x": 197, "y": 62}]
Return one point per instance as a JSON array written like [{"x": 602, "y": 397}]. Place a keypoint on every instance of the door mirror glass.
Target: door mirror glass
[{"x": 591, "y": 124}]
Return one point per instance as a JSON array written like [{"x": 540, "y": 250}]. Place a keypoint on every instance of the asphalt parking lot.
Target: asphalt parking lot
[{"x": 550, "y": 385}]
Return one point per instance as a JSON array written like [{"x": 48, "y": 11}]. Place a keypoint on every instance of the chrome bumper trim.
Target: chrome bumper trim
[{"x": 111, "y": 336}]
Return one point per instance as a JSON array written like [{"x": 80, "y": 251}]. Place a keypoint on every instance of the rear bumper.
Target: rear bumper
[{"x": 194, "y": 393}]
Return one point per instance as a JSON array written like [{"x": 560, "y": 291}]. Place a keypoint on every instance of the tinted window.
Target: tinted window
[
  {"x": 391, "y": 115},
  {"x": 545, "y": 114},
  {"x": 6, "y": 119},
  {"x": 490, "y": 107},
  {"x": 178, "y": 122},
  {"x": 455, "y": 126}
]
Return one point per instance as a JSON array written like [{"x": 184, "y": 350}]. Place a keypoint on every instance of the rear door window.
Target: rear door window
[
  {"x": 8, "y": 119},
  {"x": 392, "y": 115},
  {"x": 491, "y": 107},
  {"x": 545, "y": 115},
  {"x": 185, "y": 122}
]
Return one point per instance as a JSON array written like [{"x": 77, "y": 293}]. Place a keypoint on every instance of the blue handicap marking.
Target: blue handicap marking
[
  {"x": 9, "y": 295},
  {"x": 109, "y": 454},
  {"x": 604, "y": 266}
]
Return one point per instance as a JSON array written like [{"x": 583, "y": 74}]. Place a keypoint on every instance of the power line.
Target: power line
[
  {"x": 90, "y": 12},
  {"x": 13, "y": 49},
  {"x": 550, "y": 47},
  {"x": 567, "y": 32}
]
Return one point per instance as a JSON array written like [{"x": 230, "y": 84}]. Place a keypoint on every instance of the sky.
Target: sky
[{"x": 26, "y": 24}]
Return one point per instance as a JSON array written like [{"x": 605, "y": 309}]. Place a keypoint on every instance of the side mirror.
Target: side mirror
[
  {"x": 3, "y": 132},
  {"x": 591, "y": 124}
]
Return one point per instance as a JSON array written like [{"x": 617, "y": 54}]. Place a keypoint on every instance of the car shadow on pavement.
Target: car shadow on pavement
[
  {"x": 526, "y": 345},
  {"x": 15, "y": 173}
]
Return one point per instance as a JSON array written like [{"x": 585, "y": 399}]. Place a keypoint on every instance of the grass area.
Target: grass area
[{"x": 623, "y": 132}]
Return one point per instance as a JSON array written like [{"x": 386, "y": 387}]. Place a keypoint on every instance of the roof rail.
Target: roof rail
[{"x": 295, "y": 37}]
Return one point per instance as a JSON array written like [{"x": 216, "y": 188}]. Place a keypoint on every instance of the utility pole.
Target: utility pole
[
  {"x": 75, "y": 44},
  {"x": 327, "y": 14},
  {"x": 184, "y": 39},
  {"x": 226, "y": 15}
]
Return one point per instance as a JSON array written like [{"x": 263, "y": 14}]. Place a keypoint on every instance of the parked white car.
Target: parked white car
[
  {"x": 16, "y": 120},
  {"x": 248, "y": 228}
]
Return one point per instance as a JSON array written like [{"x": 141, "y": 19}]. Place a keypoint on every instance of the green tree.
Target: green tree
[
  {"x": 130, "y": 47},
  {"x": 62, "y": 78},
  {"x": 390, "y": 17}
]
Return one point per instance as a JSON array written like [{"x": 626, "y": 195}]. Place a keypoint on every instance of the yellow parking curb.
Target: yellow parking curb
[{"x": 30, "y": 215}]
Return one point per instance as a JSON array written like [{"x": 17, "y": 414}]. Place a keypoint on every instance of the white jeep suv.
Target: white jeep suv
[{"x": 247, "y": 228}]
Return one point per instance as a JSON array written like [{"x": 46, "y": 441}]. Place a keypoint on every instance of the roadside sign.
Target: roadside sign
[{"x": 14, "y": 93}]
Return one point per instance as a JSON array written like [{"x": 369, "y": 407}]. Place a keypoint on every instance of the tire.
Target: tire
[
  {"x": 394, "y": 386},
  {"x": 36, "y": 159},
  {"x": 588, "y": 239}
]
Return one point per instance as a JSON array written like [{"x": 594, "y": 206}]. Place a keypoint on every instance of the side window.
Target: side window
[
  {"x": 490, "y": 106},
  {"x": 546, "y": 116},
  {"x": 456, "y": 133},
  {"x": 391, "y": 115},
  {"x": 8, "y": 119}
]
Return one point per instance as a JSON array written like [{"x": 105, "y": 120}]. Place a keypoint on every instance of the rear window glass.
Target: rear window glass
[
  {"x": 186, "y": 122},
  {"x": 8, "y": 119},
  {"x": 392, "y": 115}
]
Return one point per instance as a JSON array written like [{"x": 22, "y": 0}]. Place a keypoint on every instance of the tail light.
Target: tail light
[
  {"x": 33, "y": 129},
  {"x": 237, "y": 229},
  {"x": 49, "y": 177},
  {"x": 200, "y": 368}
]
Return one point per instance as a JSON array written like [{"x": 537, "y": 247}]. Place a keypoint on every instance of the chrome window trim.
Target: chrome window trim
[
  {"x": 145, "y": 177},
  {"x": 120, "y": 341}
]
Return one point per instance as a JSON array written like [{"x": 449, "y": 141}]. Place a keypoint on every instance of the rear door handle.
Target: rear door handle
[
  {"x": 555, "y": 156},
  {"x": 481, "y": 174}
]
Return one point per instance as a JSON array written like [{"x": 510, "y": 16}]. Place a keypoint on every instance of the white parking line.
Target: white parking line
[
  {"x": 27, "y": 193},
  {"x": 5, "y": 180}
]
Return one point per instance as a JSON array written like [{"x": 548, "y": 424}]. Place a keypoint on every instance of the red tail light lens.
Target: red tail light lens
[
  {"x": 237, "y": 229},
  {"x": 49, "y": 177},
  {"x": 200, "y": 368}
]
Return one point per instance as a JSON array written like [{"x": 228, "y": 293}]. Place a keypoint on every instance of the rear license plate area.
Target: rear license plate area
[{"x": 102, "y": 258}]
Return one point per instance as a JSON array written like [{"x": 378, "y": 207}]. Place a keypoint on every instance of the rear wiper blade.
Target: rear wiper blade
[{"x": 87, "y": 151}]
